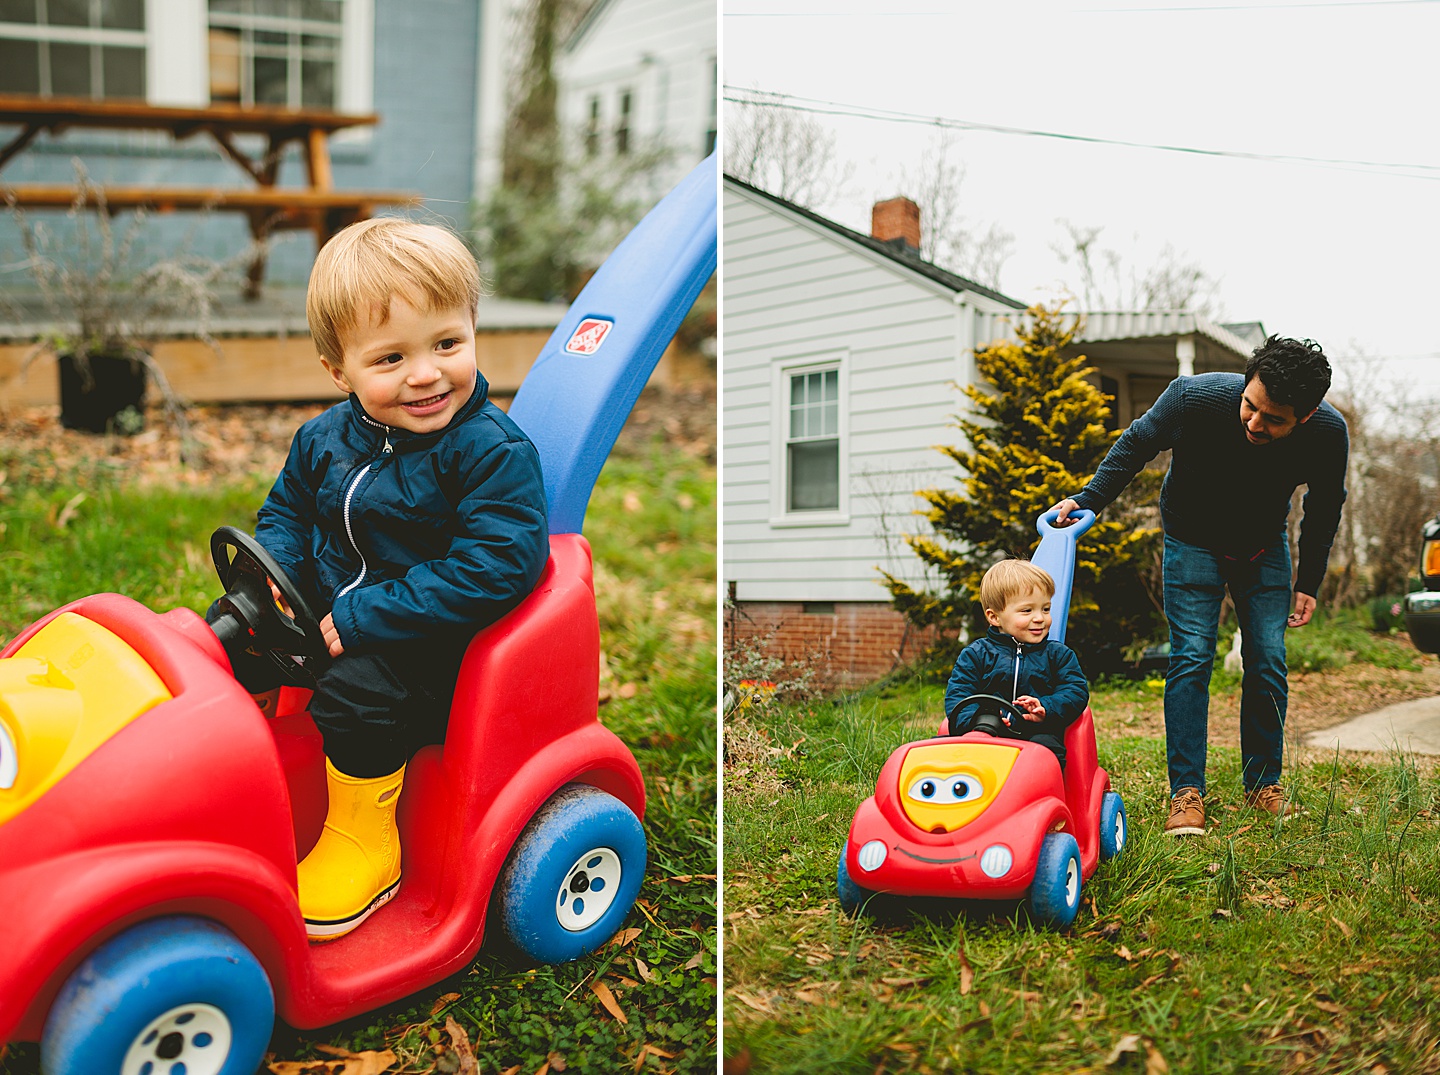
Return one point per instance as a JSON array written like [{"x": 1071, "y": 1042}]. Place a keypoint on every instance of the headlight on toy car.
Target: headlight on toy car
[
  {"x": 9, "y": 759},
  {"x": 872, "y": 855},
  {"x": 996, "y": 861}
]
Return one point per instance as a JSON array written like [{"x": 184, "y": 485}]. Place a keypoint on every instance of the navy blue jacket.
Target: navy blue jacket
[
  {"x": 1002, "y": 665},
  {"x": 401, "y": 535}
]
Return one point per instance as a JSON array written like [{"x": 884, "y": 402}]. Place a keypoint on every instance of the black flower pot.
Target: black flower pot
[{"x": 96, "y": 391}]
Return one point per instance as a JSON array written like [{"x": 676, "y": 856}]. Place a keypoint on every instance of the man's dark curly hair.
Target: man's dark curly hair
[{"x": 1295, "y": 373}]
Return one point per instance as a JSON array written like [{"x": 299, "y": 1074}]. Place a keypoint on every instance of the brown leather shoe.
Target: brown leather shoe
[
  {"x": 1187, "y": 814},
  {"x": 1271, "y": 799}
]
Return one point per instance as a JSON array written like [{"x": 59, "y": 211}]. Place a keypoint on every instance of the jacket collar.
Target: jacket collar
[
  {"x": 1009, "y": 642},
  {"x": 402, "y": 440}
]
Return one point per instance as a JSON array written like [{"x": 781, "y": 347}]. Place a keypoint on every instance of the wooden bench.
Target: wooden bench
[{"x": 267, "y": 206}]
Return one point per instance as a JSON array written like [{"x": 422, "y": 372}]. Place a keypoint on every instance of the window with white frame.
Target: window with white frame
[
  {"x": 592, "y": 126},
  {"x": 812, "y": 441},
  {"x": 276, "y": 52},
  {"x": 73, "y": 48},
  {"x": 714, "y": 111},
  {"x": 622, "y": 124}
]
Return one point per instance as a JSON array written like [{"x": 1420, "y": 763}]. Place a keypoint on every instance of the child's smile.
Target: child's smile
[
  {"x": 414, "y": 370},
  {"x": 1025, "y": 617}
]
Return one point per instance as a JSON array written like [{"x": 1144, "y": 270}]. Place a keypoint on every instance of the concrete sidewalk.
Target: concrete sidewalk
[{"x": 1412, "y": 726}]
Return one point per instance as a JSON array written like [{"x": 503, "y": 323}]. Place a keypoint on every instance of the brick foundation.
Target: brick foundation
[{"x": 856, "y": 643}]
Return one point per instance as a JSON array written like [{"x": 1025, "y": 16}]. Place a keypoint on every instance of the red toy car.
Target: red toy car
[
  {"x": 151, "y": 818},
  {"x": 986, "y": 815}
]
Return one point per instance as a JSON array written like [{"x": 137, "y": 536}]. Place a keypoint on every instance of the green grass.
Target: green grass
[
  {"x": 1252, "y": 949},
  {"x": 652, "y": 526}
]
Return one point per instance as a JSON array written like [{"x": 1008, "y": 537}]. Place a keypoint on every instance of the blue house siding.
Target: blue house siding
[
  {"x": 426, "y": 53},
  {"x": 425, "y": 59}
]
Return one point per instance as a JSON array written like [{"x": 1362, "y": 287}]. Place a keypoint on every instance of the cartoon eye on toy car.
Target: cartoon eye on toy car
[
  {"x": 1422, "y": 608},
  {"x": 987, "y": 815},
  {"x": 151, "y": 817}
]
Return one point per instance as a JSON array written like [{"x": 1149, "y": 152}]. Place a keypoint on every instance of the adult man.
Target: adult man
[{"x": 1241, "y": 445}]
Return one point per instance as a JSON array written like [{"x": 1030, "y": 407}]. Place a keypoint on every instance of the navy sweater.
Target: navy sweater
[{"x": 1222, "y": 492}]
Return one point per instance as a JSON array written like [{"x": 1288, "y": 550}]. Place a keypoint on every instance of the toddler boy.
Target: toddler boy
[
  {"x": 1017, "y": 660},
  {"x": 411, "y": 515}
]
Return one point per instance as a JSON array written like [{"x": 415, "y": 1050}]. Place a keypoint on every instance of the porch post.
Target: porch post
[{"x": 1185, "y": 355}]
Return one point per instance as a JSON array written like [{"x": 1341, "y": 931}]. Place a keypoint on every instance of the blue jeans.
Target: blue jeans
[{"x": 1195, "y": 582}]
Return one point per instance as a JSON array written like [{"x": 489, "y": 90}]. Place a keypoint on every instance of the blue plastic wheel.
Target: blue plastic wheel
[
  {"x": 1055, "y": 892},
  {"x": 573, "y": 875},
  {"x": 172, "y": 996},
  {"x": 1113, "y": 831},
  {"x": 852, "y": 896}
]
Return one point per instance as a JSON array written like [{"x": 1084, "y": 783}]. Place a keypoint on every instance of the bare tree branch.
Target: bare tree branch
[{"x": 787, "y": 153}]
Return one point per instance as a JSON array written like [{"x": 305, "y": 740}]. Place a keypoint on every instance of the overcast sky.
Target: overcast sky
[{"x": 1344, "y": 254}]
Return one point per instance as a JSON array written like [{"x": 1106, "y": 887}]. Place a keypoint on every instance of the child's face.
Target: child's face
[
  {"x": 415, "y": 371},
  {"x": 1025, "y": 616}
]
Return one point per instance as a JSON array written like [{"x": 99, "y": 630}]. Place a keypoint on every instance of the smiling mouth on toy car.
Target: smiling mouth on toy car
[{"x": 935, "y": 862}]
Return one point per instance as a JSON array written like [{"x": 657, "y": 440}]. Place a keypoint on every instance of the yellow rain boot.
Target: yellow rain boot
[{"x": 354, "y": 868}]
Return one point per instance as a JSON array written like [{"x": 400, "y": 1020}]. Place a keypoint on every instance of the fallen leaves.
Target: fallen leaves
[
  {"x": 625, "y": 936},
  {"x": 460, "y": 1045},
  {"x": 759, "y": 1004},
  {"x": 607, "y": 999},
  {"x": 442, "y": 1002},
  {"x": 1131, "y": 1044},
  {"x": 654, "y": 1050},
  {"x": 967, "y": 972},
  {"x": 346, "y": 1063},
  {"x": 1128, "y": 1044}
]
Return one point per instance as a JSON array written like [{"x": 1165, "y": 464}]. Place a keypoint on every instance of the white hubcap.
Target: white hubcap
[
  {"x": 588, "y": 889},
  {"x": 1119, "y": 831},
  {"x": 193, "y": 1039},
  {"x": 1072, "y": 882}
]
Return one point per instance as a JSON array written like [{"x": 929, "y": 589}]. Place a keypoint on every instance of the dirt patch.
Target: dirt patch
[
  {"x": 1318, "y": 700},
  {"x": 224, "y": 443}
]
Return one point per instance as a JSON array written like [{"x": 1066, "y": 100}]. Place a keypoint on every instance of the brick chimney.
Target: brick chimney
[{"x": 896, "y": 218}]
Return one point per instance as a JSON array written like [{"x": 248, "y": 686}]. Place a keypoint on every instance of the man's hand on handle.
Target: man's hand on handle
[
  {"x": 1304, "y": 609},
  {"x": 1064, "y": 508}
]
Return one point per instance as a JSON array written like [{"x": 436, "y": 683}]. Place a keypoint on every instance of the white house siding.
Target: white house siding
[
  {"x": 794, "y": 288},
  {"x": 663, "y": 52}
]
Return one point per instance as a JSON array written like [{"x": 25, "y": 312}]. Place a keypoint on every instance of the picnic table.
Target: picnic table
[{"x": 269, "y": 207}]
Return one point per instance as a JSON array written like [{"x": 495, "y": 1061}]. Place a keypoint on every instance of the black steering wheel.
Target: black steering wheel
[
  {"x": 250, "y": 618},
  {"x": 991, "y": 716}
]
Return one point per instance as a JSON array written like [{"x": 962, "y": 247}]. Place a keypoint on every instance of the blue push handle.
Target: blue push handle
[
  {"x": 1056, "y": 555},
  {"x": 580, "y": 390}
]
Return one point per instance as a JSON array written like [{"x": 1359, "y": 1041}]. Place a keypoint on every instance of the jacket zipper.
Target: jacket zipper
[
  {"x": 349, "y": 496},
  {"x": 1014, "y": 687}
]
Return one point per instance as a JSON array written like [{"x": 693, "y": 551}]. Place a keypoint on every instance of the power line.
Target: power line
[
  {"x": 1261, "y": 7},
  {"x": 826, "y": 14},
  {"x": 1087, "y": 10},
  {"x": 739, "y": 95}
]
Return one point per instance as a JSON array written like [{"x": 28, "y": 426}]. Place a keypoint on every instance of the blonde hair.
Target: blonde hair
[
  {"x": 370, "y": 261},
  {"x": 1010, "y": 579}
]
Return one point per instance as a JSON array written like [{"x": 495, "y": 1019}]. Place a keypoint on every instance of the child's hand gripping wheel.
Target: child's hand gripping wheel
[
  {"x": 251, "y": 619},
  {"x": 991, "y": 717}
]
